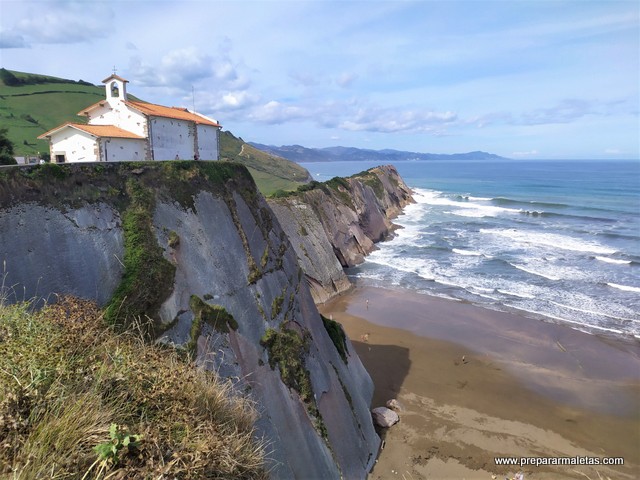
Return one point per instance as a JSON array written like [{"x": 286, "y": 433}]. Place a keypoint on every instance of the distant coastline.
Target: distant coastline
[{"x": 298, "y": 153}]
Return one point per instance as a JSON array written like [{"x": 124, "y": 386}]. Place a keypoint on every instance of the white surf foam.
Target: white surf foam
[
  {"x": 626, "y": 288},
  {"x": 598, "y": 313},
  {"x": 578, "y": 325},
  {"x": 468, "y": 208},
  {"x": 613, "y": 260},
  {"x": 469, "y": 253},
  {"x": 533, "y": 272},
  {"x": 515, "y": 294},
  {"x": 553, "y": 240}
]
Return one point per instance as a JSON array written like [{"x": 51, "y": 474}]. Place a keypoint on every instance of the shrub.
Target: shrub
[
  {"x": 337, "y": 335},
  {"x": 174, "y": 239},
  {"x": 276, "y": 306},
  {"x": 287, "y": 350}
]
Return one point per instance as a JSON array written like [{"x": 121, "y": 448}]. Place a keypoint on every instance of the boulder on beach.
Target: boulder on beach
[{"x": 384, "y": 417}]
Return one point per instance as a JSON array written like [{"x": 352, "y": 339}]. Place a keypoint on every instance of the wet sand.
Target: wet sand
[{"x": 525, "y": 388}]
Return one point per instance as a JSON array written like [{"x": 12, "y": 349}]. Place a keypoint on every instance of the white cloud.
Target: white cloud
[
  {"x": 185, "y": 67},
  {"x": 376, "y": 119},
  {"x": 274, "y": 112},
  {"x": 64, "y": 22},
  {"x": 566, "y": 111}
]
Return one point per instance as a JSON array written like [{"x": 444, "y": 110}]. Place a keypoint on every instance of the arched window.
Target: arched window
[{"x": 115, "y": 91}]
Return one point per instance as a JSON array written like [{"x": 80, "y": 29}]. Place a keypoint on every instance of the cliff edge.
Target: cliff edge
[{"x": 196, "y": 250}]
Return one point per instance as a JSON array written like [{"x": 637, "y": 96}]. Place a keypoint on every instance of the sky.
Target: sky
[{"x": 520, "y": 78}]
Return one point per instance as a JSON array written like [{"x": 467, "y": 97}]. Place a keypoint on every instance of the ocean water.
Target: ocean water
[{"x": 554, "y": 240}]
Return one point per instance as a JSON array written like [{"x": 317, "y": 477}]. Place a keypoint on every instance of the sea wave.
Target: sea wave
[
  {"x": 537, "y": 204},
  {"x": 595, "y": 313},
  {"x": 612, "y": 260},
  {"x": 468, "y": 253},
  {"x": 513, "y": 201},
  {"x": 467, "y": 208},
  {"x": 534, "y": 272},
  {"x": 516, "y": 294},
  {"x": 577, "y": 324},
  {"x": 626, "y": 288},
  {"x": 553, "y": 240},
  {"x": 564, "y": 216}
]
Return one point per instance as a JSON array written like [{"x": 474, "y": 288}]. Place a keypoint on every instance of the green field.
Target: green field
[
  {"x": 31, "y": 109},
  {"x": 31, "y": 104}
]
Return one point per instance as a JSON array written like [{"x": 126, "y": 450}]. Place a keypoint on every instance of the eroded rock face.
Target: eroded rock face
[
  {"x": 211, "y": 262},
  {"x": 336, "y": 225},
  {"x": 229, "y": 250},
  {"x": 324, "y": 274},
  {"x": 45, "y": 251}
]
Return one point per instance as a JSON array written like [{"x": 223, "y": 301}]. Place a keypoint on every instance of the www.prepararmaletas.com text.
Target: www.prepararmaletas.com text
[{"x": 571, "y": 461}]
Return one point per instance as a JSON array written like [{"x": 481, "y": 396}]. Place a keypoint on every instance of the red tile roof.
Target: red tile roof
[
  {"x": 154, "y": 110},
  {"x": 86, "y": 110},
  {"x": 96, "y": 130}
]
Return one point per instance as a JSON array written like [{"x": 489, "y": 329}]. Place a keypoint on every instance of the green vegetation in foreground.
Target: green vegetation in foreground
[
  {"x": 69, "y": 384},
  {"x": 337, "y": 335}
]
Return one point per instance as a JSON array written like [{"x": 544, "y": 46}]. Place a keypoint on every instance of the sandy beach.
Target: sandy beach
[{"x": 476, "y": 384}]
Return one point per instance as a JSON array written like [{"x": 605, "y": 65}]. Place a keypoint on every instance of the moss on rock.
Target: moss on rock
[
  {"x": 148, "y": 276},
  {"x": 215, "y": 315},
  {"x": 337, "y": 335}
]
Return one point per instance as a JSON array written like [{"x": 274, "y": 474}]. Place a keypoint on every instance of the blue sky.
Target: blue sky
[{"x": 523, "y": 79}]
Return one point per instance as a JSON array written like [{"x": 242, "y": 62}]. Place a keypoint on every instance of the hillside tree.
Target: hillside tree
[{"x": 6, "y": 149}]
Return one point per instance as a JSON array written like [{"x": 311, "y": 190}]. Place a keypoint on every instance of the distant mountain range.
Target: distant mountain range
[{"x": 298, "y": 153}]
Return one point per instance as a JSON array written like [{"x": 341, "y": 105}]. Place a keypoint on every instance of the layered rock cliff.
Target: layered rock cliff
[
  {"x": 195, "y": 248},
  {"x": 335, "y": 224}
]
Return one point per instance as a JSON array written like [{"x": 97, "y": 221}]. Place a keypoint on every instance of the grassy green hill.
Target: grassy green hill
[
  {"x": 271, "y": 173},
  {"x": 31, "y": 104}
]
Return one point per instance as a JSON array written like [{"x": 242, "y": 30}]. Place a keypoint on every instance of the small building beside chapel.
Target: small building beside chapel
[{"x": 119, "y": 129}]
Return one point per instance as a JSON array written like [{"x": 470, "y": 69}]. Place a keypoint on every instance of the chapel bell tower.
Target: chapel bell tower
[{"x": 115, "y": 88}]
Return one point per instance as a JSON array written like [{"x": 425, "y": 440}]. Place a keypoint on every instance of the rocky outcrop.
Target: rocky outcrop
[
  {"x": 323, "y": 272},
  {"x": 335, "y": 224},
  {"x": 77, "y": 229},
  {"x": 384, "y": 417}
]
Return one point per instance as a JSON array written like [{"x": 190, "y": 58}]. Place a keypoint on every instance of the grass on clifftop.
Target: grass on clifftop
[{"x": 69, "y": 384}]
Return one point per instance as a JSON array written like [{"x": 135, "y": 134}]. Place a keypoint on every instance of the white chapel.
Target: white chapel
[{"x": 119, "y": 129}]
